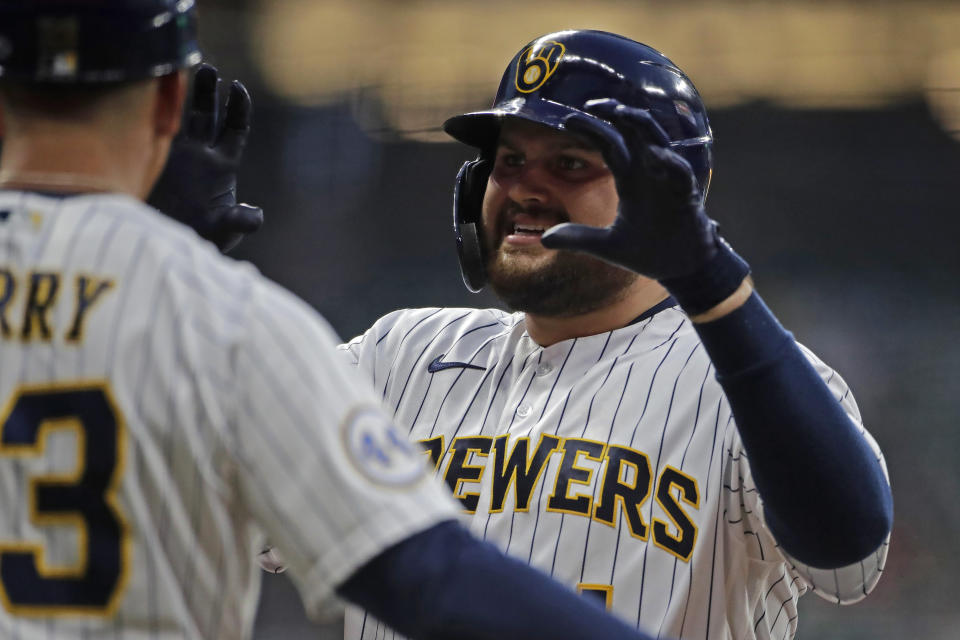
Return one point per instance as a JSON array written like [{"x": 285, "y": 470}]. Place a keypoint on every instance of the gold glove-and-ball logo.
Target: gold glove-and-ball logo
[{"x": 536, "y": 64}]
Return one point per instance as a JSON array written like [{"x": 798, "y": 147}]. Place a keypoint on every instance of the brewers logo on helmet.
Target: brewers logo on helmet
[{"x": 537, "y": 63}]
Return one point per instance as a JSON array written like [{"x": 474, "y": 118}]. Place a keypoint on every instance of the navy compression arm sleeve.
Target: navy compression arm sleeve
[
  {"x": 825, "y": 496},
  {"x": 443, "y": 583}
]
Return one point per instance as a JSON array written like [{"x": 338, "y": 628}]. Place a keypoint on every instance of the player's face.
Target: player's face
[{"x": 542, "y": 177}]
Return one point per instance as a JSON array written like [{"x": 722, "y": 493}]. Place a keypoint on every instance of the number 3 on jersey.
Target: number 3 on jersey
[{"x": 83, "y": 498}]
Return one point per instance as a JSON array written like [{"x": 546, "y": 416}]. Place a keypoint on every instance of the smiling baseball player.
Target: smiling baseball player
[{"x": 641, "y": 427}]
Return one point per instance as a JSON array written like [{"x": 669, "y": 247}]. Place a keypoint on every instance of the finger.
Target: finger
[
  {"x": 671, "y": 169},
  {"x": 236, "y": 125},
  {"x": 632, "y": 122},
  {"x": 243, "y": 218},
  {"x": 605, "y": 136},
  {"x": 202, "y": 116},
  {"x": 578, "y": 237}
]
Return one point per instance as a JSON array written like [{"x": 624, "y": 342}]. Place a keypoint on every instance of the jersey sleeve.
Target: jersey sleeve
[
  {"x": 373, "y": 351},
  {"x": 320, "y": 467},
  {"x": 744, "y": 506}
]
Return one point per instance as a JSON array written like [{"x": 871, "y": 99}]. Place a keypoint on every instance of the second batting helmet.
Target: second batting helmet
[
  {"x": 90, "y": 42},
  {"x": 553, "y": 77}
]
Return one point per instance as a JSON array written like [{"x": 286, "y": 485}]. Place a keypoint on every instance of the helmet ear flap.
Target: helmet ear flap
[{"x": 468, "y": 192}]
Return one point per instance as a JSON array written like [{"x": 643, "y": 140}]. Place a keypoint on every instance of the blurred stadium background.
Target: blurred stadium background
[
  {"x": 837, "y": 129},
  {"x": 837, "y": 165}
]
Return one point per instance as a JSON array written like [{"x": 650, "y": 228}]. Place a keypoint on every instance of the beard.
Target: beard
[{"x": 564, "y": 285}]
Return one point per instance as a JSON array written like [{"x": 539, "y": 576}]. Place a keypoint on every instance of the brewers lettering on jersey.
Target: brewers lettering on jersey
[{"x": 640, "y": 427}]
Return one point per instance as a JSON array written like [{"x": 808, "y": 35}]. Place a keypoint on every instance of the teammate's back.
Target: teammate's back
[
  {"x": 121, "y": 335},
  {"x": 133, "y": 350}
]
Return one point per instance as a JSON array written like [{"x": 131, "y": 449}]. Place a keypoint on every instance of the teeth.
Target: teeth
[{"x": 528, "y": 229}]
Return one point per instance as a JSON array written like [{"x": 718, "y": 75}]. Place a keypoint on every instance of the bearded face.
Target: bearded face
[
  {"x": 556, "y": 283},
  {"x": 542, "y": 177}
]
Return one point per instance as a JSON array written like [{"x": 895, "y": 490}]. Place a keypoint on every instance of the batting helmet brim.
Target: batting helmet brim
[{"x": 482, "y": 128}]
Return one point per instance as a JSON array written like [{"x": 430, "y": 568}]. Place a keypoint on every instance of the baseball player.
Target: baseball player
[
  {"x": 163, "y": 408},
  {"x": 640, "y": 427}
]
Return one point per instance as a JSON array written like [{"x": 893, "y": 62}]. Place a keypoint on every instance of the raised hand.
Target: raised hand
[
  {"x": 199, "y": 183},
  {"x": 661, "y": 230}
]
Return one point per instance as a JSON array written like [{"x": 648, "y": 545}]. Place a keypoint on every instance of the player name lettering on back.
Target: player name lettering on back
[
  {"x": 28, "y": 301},
  {"x": 591, "y": 479}
]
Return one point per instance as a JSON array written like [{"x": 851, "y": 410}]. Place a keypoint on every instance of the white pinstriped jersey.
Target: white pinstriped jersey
[
  {"x": 164, "y": 408},
  {"x": 612, "y": 462}
]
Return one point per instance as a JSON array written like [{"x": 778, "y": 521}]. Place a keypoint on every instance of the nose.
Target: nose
[{"x": 529, "y": 185}]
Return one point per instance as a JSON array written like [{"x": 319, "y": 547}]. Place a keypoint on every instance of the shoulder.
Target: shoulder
[
  {"x": 437, "y": 320},
  {"x": 408, "y": 333},
  {"x": 206, "y": 287}
]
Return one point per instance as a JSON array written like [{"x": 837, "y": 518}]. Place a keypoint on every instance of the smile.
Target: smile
[{"x": 528, "y": 229}]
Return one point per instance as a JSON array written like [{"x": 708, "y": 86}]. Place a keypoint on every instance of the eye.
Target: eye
[
  {"x": 571, "y": 163},
  {"x": 510, "y": 159}
]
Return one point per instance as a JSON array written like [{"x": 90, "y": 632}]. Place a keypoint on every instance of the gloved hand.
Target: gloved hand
[
  {"x": 661, "y": 230},
  {"x": 198, "y": 186}
]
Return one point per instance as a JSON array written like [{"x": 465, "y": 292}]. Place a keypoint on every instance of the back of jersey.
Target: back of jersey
[
  {"x": 162, "y": 409},
  {"x": 114, "y": 521}
]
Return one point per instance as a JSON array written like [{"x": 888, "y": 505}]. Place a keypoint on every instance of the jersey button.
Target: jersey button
[
  {"x": 544, "y": 369},
  {"x": 524, "y": 410}
]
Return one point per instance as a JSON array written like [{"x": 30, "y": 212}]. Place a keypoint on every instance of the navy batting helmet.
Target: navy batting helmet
[
  {"x": 90, "y": 42},
  {"x": 553, "y": 77}
]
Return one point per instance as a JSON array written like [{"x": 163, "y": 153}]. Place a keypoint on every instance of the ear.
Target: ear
[{"x": 171, "y": 93}]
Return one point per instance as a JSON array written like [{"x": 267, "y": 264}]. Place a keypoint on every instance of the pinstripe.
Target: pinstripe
[
  {"x": 197, "y": 527},
  {"x": 656, "y": 464},
  {"x": 526, "y": 389},
  {"x": 31, "y": 349},
  {"x": 557, "y": 378},
  {"x": 683, "y": 459},
  {"x": 493, "y": 397},
  {"x": 418, "y": 360},
  {"x": 275, "y": 448},
  {"x": 473, "y": 398},
  {"x": 171, "y": 339},
  {"x": 514, "y": 417},
  {"x": 167, "y": 440},
  {"x": 18, "y": 489},
  {"x": 713, "y": 455},
  {"x": 100, "y": 254},
  {"x": 542, "y": 412},
  {"x": 586, "y": 422},
  {"x": 718, "y": 527},
  {"x": 66, "y": 265},
  {"x": 282, "y": 399},
  {"x": 423, "y": 399},
  {"x": 131, "y": 270},
  {"x": 543, "y": 486},
  {"x": 586, "y": 541},
  {"x": 40, "y": 247},
  {"x": 767, "y": 595},
  {"x": 216, "y": 611},
  {"x": 386, "y": 382}
]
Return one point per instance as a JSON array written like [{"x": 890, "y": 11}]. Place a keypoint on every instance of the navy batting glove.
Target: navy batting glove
[
  {"x": 198, "y": 186},
  {"x": 661, "y": 230}
]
